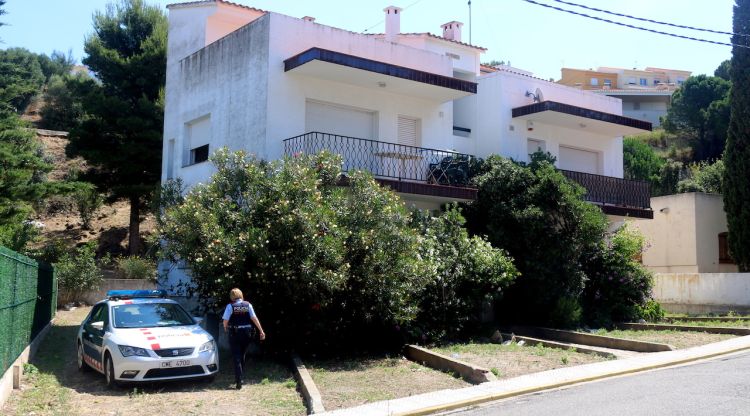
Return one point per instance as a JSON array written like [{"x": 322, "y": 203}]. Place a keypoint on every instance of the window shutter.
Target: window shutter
[{"x": 407, "y": 131}]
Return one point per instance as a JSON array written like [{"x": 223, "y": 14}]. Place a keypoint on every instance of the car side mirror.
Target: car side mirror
[
  {"x": 98, "y": 325},
  {"x": 198, "y": 320}
]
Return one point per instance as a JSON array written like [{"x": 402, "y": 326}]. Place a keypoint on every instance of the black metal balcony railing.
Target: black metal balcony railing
[
  {"x": 388, "y": 160},
  {"x": 608, "y": 190}
]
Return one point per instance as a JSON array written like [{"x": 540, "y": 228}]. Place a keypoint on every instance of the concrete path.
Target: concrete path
[{"x": 443, "y": 400}]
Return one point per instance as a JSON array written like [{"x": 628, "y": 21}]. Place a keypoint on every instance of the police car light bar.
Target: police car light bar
[{"x": 131, "y": 294}]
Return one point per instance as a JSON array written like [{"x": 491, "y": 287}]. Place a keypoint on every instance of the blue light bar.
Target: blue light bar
[{"x": 132, "y": 294}]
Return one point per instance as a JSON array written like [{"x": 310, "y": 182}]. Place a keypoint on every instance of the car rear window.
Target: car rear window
[{"x": 150, "y": 315}]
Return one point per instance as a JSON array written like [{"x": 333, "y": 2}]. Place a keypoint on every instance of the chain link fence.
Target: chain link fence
[{"x": 28, "y": 296}]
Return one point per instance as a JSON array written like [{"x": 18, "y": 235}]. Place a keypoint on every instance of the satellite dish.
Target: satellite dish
[{"x": 538, "y": 95}]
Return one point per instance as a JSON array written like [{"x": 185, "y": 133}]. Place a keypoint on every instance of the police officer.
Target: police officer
[{"x": 239, "y": 318}]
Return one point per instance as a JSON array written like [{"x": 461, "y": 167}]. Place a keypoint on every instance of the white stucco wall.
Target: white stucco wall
[
  {"x": 497, "y": 132},
  {"x": 703, "y": 292},
  {"x": 683, "y": 236},
  {"x": 227, "y": 83},
  {"x": 286, "y": 106}
]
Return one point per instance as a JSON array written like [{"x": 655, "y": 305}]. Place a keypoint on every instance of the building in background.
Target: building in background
[
  {"x": 688, "y": 234},
  {"x": 646, "y": 94}
]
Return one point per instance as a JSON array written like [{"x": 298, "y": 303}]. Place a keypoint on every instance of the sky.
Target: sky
[{"x": 531, "y": 37}]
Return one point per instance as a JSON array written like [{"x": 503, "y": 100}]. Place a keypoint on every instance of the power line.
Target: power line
[
  {"x": 649, "y": 20},
  {"x": 636, "y": 27},
  {"x": 378, "y": 23}
]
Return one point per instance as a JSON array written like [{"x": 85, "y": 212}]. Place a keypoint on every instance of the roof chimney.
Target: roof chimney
[
  {"x": 452, "y": 30},
  {"x": 392, "y": 23},
  {"x": 308, "y": 19}
]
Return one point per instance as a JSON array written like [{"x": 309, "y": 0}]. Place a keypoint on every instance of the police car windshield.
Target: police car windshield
[{"x": 150, "y": 315}]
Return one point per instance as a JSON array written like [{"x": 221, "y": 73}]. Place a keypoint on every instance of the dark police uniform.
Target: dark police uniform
[{"x": 240, "y": 333}]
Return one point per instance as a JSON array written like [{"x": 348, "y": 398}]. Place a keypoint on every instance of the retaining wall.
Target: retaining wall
[{"x": 700, "y": 293}]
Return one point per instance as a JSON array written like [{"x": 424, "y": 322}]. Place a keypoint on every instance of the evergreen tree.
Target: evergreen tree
[
  {"x": 121, "y": 131},
  {"x": 737, "y": 156}
]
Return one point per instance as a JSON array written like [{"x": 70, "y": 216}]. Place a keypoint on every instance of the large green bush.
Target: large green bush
[
  {"x": 539, "y": 216},
  {"x": 467, "y": 274},
  {"x": 329, "y": 261},
  {"x": 571, "y": 269},
  {"x": 136, "y": 267}
]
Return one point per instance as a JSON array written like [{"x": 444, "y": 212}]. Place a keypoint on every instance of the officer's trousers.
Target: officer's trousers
[{"x": 239, "y": 340}]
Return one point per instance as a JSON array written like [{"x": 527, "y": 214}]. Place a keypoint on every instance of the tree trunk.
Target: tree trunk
[{"x": 134, "y": 239}]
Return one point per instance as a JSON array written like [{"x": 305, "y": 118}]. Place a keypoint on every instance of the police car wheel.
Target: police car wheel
[
  {"x": 109, "y": 372},
  {"x": 82, "y": 366}
]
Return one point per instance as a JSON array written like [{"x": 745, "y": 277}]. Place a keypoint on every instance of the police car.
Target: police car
[{"x": 140, "y": 335}]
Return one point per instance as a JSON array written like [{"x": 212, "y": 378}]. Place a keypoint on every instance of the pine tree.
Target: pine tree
[
  {"x": 737, "y": 154},
  {"x": 121, "y": 132}
]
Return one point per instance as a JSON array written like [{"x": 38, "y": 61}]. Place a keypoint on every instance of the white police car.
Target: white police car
[{"x": 139, "y": 335}]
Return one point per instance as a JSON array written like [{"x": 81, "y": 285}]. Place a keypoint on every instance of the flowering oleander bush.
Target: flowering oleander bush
[{"x": 321, "y": 262}]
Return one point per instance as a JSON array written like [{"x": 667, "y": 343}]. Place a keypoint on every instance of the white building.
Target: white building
[
  {"x": 409, "y": 107},
  {"x": 401, "y": 105}
]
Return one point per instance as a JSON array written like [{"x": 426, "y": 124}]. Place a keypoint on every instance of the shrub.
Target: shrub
[
  {"x": 618, "y": 285},
  {"x": 651, "y": 311},
  {"x": 136, "y": 267},
  {"x": 467, "y": 273},
  {"x": 540, "y": 218},
  {"x": 87, "y": 200},
  {"x": 704, "y": 177},
  {"x": 325, "y": 265},
  {"x": 78, "y": 273}
]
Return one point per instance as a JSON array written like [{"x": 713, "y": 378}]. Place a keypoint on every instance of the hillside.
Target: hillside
[{"x": 59, "y": 216}]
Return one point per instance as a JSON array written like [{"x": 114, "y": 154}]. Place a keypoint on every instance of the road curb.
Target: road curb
[
  {"x": 504, "y": 395},
  {"x": 309, "y": 390},
  {"x": 591, "y": 339}
]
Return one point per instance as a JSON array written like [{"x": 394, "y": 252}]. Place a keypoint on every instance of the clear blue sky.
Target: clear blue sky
[{"x": 529, "y": 36}]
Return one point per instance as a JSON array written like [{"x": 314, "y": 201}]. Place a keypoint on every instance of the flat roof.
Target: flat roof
[
  {"x": 554, "y": 113},
  {"x": 378, "y": 67}
]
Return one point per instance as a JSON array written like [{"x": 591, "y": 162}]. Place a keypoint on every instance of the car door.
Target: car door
[{"x": 93, "y": 334}]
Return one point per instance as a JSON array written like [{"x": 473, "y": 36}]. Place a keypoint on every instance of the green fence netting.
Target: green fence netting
[{"x": 28, "y": 297}]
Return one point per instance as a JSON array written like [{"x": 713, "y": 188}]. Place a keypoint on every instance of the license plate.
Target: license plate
[{"x": 176, "y": 363}]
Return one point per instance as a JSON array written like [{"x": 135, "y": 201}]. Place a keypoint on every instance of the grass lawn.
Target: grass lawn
[
  {"x": 677, "y": 339},
  {"x": 54, "y": 386},
  {"x": 726, "y": 324},
  {"x": 512, "y": 360},
  {"x": 355, "y": 381}
]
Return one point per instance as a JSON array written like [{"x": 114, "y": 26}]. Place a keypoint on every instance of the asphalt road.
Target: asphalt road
[{"x": 720, "y": 386}]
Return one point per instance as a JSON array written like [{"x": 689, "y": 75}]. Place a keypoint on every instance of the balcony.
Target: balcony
[
  {"x": 445, "y": 174},
  {"x": 615, "y": 196},
  {"x": 405, "y": 169}
]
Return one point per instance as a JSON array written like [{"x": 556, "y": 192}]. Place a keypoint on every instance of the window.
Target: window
[
  {"x": 594, "y": 81},
  {"x": 408, "y": 131},
  {"x": 656, "y": 81},
  {"x": 199, "y": 154},
  {"x": 608, "y": 83},
  {"x": 680, "y": 81},
  {"x": 631, "y": 81},
  {"x": 534, "y": 146},
  {"x": 644, "y": 82},
  {"x": 198, "y": 136},
  {"x": 170, "y": 159},
  {"x": 724, "y": 257}
]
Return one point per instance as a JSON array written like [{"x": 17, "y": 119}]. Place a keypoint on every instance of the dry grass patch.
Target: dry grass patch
[
  {"x": 677, "y": 339},
  {"x": 512, "y": 360},
  {"x": 352, "y": 382},
  {"x": 55, "y": 386}
]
